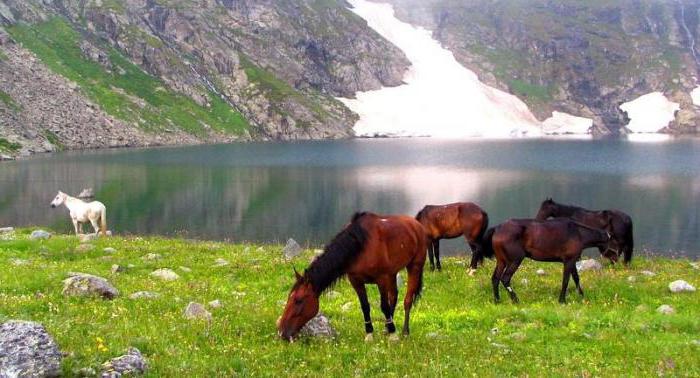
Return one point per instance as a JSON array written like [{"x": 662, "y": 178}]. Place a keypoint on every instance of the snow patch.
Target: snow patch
[
  {"x": 440, "y": 97},
  {"x": 563, "y": 123},
  {"x": 695, "y": 96},
  {"x": 650, "y": 113}
]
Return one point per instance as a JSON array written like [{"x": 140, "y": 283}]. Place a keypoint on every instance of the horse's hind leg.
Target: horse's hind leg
[
  {"x": 496, "y": 279},
  {"x": 413, "y": 290},
  {"x": 430, "y": 254},
  {"x": 388, "y": 293},
  {"x": 508, "y": 275},
  {"x": 359, "y": 287},
  {"x": 436, "y": 245},
  {"x": 95, "y": 225},
  {"x": 476, "y": 257},
  {"x": 569, "y": 266}
]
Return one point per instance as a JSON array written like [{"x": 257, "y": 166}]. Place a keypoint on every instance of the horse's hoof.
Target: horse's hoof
[
  {"x": 394, "y": 337},
  {"x": 369, "y": 338}
]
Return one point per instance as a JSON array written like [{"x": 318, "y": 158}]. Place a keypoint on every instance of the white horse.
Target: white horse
[{"x": 82, "y": 212}]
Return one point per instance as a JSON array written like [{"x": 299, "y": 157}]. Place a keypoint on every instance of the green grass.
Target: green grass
[
  {"x": 53, "y": 139},
  {"x": 6, "y": 145},
  {"x": 56, "y": 43},
  {"x": 9, "y": 101},
  {"x": 457, "y": 330}
]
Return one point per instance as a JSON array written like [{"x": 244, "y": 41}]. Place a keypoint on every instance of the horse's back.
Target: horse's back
[{"x": 393, "y": 241}]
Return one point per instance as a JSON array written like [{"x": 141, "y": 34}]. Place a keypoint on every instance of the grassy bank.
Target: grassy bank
[{"x": 457, "y": 329}]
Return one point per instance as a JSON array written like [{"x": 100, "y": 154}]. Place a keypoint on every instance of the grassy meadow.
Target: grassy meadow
[{"x": 457, "y": 330}]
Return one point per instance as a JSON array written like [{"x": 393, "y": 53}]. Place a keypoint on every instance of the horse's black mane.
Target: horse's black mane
[{"x": 330, "y": 266}]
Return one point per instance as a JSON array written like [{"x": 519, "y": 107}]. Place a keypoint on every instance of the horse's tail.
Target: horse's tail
[
  {"x": 487, "y": 245},
  {"x": 103, "y": 222},
  {"x": 480, "y": 237},
  {"x": 629, "y": 242}
]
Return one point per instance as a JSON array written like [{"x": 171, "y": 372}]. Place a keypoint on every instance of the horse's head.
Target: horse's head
[
  {"x": 609, "y": 247},
  {"x": 59, "y": 200},
  {"x": 548, "y": 208},
  {"x": 302, "y": 305}
]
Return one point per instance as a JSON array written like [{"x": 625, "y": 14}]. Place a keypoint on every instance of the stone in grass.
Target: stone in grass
[
  {"x": 152, "y": 256},
  {"x": 4, "y": 230},
  {"x": 84, "y": 248},
  {"x": 631, "y": 279},
  {"x": 39, "y": 235},
  {"x": 87, "y": 285},
  {"x": 109, "y": 250},
  {"x": 185, "y": 269},
  {"x": 319, "y": 326},
  {"x": 84, "y": 238},
  {"x": 679, "y": 286},
  {"x": 27, "y": 350},
  {"x": 165, "y": 274},
  {"x": 216, "y": 304},
  {"x": 347, "y": 306},
  {"x": 196, "y": 311},
  {"x": 589, "y": 264},
  {"x": 666, "y": 310},
  {"x": 540, "y": 272},
  {"x": 144, "y": 295},
  {"x": 220, "y": 262},
  {"x": 130, "y": 364},
  {"x": 292, "y": 249},
  {"x": 117, "y": 269},
  {"x": 648, "y": 273}
]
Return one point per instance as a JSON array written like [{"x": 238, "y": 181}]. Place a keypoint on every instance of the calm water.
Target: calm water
[{"x": 272, "y": 191}]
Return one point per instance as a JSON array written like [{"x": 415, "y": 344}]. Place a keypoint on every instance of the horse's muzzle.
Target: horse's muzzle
[{"x": 54, "y": 206}]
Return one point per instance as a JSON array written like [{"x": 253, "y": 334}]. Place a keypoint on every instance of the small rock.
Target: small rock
[
  {"x": 319, "y": 326},
  {"x": 19, "y": 262},
  {"x": 524, "y": 281},
  {"x": 84, "y": 248},
  {"x": 132, "y": 363},
  {"x": 215, "y": 304},
  {"x": 590, "y": 264},
  {"x": 82, "y": 284},
  {"x": 394, "y": 337},
  {"x": 109, "y": 250},
  {"x": 220, "y": 262},
  {"x": 292, "y": 249},
  {"x": 433, "y": 335},
  {"x": 680, "y": 286},
  {"x": 665, "y": 309},
  {"x": 518, "y": 336},
  {"x": 27, "y": 350},
  {"x": 117, "y": 269},
  {"x": 87, "y": 193},
  {"x": 185, "y": 269},
  {"x": 165, "y": 274},
  {"x": 631, "y": 279},
  {"x": 108, "y": 232},
  {"x": 494, "y": 331},
  {"x": 4, "y": 230},
  {"x": 152, "y": 256},
  {"x": 144, "y": 295},
  {"x": 346, "y": 306},
  {"x": 195, "y": 311},
  {"x": 84, "y": 238},
  {"x": 648, "y": 273},
  {"x": 540, "y": 272},
  {"x": 39, "y": 234},
  {"x": 85, "y": 372}
]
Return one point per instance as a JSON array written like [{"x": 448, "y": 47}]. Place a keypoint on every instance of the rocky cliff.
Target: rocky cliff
[
  {"x": 579, "y": 57},
  {"x": 97, "y": 73}
]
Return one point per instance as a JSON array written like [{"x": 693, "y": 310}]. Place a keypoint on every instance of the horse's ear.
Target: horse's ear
[{"x": 297, "y": 275}]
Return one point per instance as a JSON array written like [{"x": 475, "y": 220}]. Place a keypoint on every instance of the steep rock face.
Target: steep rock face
[
  {"x": 583, "y": 58},
  {"x": 243, "y": 69}
]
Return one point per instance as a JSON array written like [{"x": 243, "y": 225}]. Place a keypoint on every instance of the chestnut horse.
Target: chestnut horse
[
  {"x": 616, "y": 222},
  {"x": 559, "y": 239},
  {"x": 371, "y": 249},
  {"x": 451, "y": 221}
]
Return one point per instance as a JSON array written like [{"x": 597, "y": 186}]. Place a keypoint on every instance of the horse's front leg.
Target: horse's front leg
[
  {"x": 359, "y": 287},
  {"x": 76, "y": 226},
  {"x": 476, "y": 257},
  {"x": 430, "y": 254},
  {"x": 569, "y": 265}
]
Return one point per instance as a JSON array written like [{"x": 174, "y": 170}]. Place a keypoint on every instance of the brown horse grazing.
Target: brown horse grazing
[
  {"x": 558, "y": 239},
  {"x": 451, "y": 221},
  {"x": 371, "y": 249},
  {"x": 616, "y": 222}
]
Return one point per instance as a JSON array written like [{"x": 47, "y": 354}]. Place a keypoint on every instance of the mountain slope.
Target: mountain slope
[
  {"x": 580, "y": 57},
  {"x": 188, "y": 71}
]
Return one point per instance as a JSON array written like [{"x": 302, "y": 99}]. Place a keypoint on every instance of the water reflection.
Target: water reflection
[{"x": 279, "y": 198}]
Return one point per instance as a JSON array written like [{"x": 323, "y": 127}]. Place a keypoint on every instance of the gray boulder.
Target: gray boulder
[
  {"x": 590, "y": 264},
  {"x": 680, "y": 286},
  {"x": 196, "y": 311},
  {"x": 87, "y": 285},
  {"x": 130, "y": 364},
  {"x": 292, "y": 249},
  {"x": 165, "y": 274},
  {"x": 144, "y": 295},
  {"x": 220, "y": 262},
  {"x": 109, "y": 250},
  {"x": 319, "y": 326},
  {"x": 6, "y": 229},
  {"x": 540, "y": 272},
  {"x": 39, "y": 235},
  {"x": 27, "y": 350}
]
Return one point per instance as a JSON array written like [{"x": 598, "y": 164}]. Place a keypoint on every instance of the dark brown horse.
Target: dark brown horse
[
  {"x": 559, "y": 239},
  {"x": 371, "y": 249},
  {"x": 451, "y": 221},
  {"x": 616, "y": 222}
]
